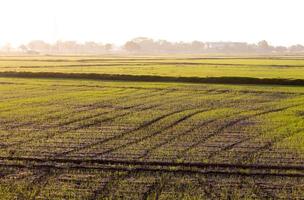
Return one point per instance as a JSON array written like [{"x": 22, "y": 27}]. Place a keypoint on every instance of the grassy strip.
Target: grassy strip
[{"x": 148, "y": 78}]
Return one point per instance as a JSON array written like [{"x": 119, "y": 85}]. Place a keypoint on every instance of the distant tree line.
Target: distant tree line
[
  {"x": 147, "y": 45},
  {"x": 65, "y": 47},
  {"x": 143, "y": 45}
]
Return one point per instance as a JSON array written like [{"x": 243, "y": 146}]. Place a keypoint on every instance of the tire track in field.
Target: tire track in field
[
  {"x": 104, "y": 190},
  {"x": 99, "y": 121},
  {"x": 48, "y": 113},
  {"x": 53, "y": 134},
  {"x": 229, "y": 147},
  {"x": 40, "y": 104},
  {"x": 208, "y": 122},
  {"x": 63, "y": 115},
  {"x": 249, "y": 157},
  {"x": 92, "y": 124},
  {"x": 42, "y": 181},
  {"x": 144, "y": 125},
  {"x": 155, "y": 147},
  {"x": 119, "y": 115},
  {"x": 248, "y": 170},
  {"x": 261, "y": 192},
  {"x": 64, "y": 124},
  {"x": 185, "y": 132},
  {"x": 170, "y": 126},
  {"x": 93, "y": 106},
  {"x": 28, "y": 141},
  {"x": 152, "y": 188},
  {"x": 52, "y": 173},
  {"x": 184, "y": 118},
  {"x": 101, "y": 189},
  {"x": 121, "y": 87},
  {"x": 141, "y": 126},
  {"x": 232, "y": 123},
  {"x": 124, "y": 99},
  {"x": 107, "y": 86},
  {"x": 121, "y": 99},
  {"x": 88, "y": 117}
]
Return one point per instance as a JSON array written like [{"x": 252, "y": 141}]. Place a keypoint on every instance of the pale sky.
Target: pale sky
[{"x": 281, "y": 22}]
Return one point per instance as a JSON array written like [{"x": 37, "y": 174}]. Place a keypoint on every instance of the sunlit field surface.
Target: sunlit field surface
[
  {"x": 285, "y": 68},
  {"x": 100, "y": 139}
]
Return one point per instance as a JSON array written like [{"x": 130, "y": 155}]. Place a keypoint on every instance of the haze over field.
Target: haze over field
[
  {"x": 151, "y": 99},
  {"x": 117, "y": 21}
]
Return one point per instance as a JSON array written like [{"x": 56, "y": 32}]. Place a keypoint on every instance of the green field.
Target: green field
[
  {"x": 284, "y": 68},
  {"x": 68, "y": 138}
]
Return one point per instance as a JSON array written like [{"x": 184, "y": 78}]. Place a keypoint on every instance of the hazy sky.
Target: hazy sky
[{"x": 278, "y": 21}]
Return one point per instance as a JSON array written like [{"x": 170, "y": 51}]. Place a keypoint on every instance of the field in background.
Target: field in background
[
  {"x": 97, "y": 139},
  {"x": 273, "y": 68}
]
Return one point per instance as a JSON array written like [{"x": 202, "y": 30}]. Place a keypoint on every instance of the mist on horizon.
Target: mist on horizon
[{"x": 117, "y": 21}]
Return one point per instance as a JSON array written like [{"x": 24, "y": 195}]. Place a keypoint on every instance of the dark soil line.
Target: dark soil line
[
  {"x": 11, "y": 83},
  {"x": 144, "y": 125},
  {"x": 172, "y": 89},
  {"x": 147, "y": 78},
  {"x": 120, "y": 87},
  {"x": 60, "y": 125},
  {"x": 156, "y": 163},
  {"x": 94, "y": 106},
  {"x": 42, "y": 181},
  {"x": 261, "y": 192},
  {"x": 98, "y": 121},
  {"x": 179, "y": 135},
  {"x": 126, "y": 98},
  {"x": 95, "y": 86},
  {"x": 267, "y": 146},
  {"x": 41, "y": 104},
  {"x": 156, "y": 132},
  {"x": 86, "y": 125},
  {"x": 44, "y": 104},
  {"x": 99, "y": 191},
  {"x": 250, "y": 156},
  {"x": 247, "y": 155},
  {"x": 67, "y": 130},
  {"x": 53, "y": 134},
  {"x": 92, "y": 124},
  {"x": 10, "y": 125},
  {"x": 104, "y": 191},
  {"x": 162, "y": 167},
  {"x": 55, "y": 117},
  {"x": 122, "y": 134},
  {"x": 148, "y": 151},
  {"x": 227, "y": 148},
  {"x": 232, "y": 123},
  {"x": 152, "y": 188}
]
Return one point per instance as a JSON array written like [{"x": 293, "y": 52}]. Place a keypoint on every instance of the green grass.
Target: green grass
[
  {"x": 56, "y": 133},
  {"x": 275, "y": 68},
  {"x": 40, "y": 102}
]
